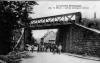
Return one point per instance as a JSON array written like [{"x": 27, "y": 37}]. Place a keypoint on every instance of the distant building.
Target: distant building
[{"x": 49, "y": 37}]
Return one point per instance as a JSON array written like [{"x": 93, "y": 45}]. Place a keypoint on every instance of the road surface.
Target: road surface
[{"x": 55, "y": 58}]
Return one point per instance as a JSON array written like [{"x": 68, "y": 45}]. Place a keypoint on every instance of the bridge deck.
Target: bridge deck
[{"x": 56, "y": 20}]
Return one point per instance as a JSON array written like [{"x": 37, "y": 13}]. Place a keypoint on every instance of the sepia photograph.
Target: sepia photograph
[{"x": 49, "y": 31}]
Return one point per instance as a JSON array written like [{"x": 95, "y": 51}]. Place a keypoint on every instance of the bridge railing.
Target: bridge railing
[{"x": 57, "y": 19}]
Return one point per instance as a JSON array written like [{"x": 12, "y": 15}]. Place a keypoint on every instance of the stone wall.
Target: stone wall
[
  {"x": 78, "y": 40},
  {"x": 84, "y": 41}
]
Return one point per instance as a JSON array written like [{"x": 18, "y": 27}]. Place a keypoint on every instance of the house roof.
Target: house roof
[{"x": 48, "y": 34}]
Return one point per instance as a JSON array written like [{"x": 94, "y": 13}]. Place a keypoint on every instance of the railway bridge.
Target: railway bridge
[
  {"x": 62, "y": 22},
  {"x": 74, "y": 37}
]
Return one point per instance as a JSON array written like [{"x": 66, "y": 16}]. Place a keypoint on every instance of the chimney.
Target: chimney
[{"x": 94, "y": 15}]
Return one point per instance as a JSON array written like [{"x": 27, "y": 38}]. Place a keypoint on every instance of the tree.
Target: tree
[
  {"x": 16, "y": 12},
  {"x": 13, "y": 15}
]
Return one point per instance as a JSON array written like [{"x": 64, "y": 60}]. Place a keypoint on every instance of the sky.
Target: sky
[{"x": 50, "y": 8}]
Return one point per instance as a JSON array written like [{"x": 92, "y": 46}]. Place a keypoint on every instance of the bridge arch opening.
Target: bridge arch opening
[{"x": 44, "y": 35}]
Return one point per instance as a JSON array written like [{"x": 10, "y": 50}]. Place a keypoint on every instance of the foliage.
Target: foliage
[
  {"x": 91, "y": 23},
  {"x": 15, "y": 12}
]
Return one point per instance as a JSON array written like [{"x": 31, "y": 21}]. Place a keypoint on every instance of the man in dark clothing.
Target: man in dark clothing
[{"x": 55, "y": 49}]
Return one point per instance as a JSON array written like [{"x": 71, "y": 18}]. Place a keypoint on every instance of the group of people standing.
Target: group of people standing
[
  {"x": 45, "y": 48},
  {"x": 57, "y": 49}
]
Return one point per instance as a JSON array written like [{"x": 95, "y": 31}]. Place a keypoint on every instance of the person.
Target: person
[
  {"x": 29, "y": 48},
  {"x": 42, "y": 48},
  {"x": 54, "y": 49},
  {"x": 36, "y": 48},
  {"x": 32, "y": 48},
  {"x": 59, "y": 49}
]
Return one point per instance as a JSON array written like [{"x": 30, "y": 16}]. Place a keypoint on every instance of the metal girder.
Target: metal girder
[{"x": 56, "y": 20}]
